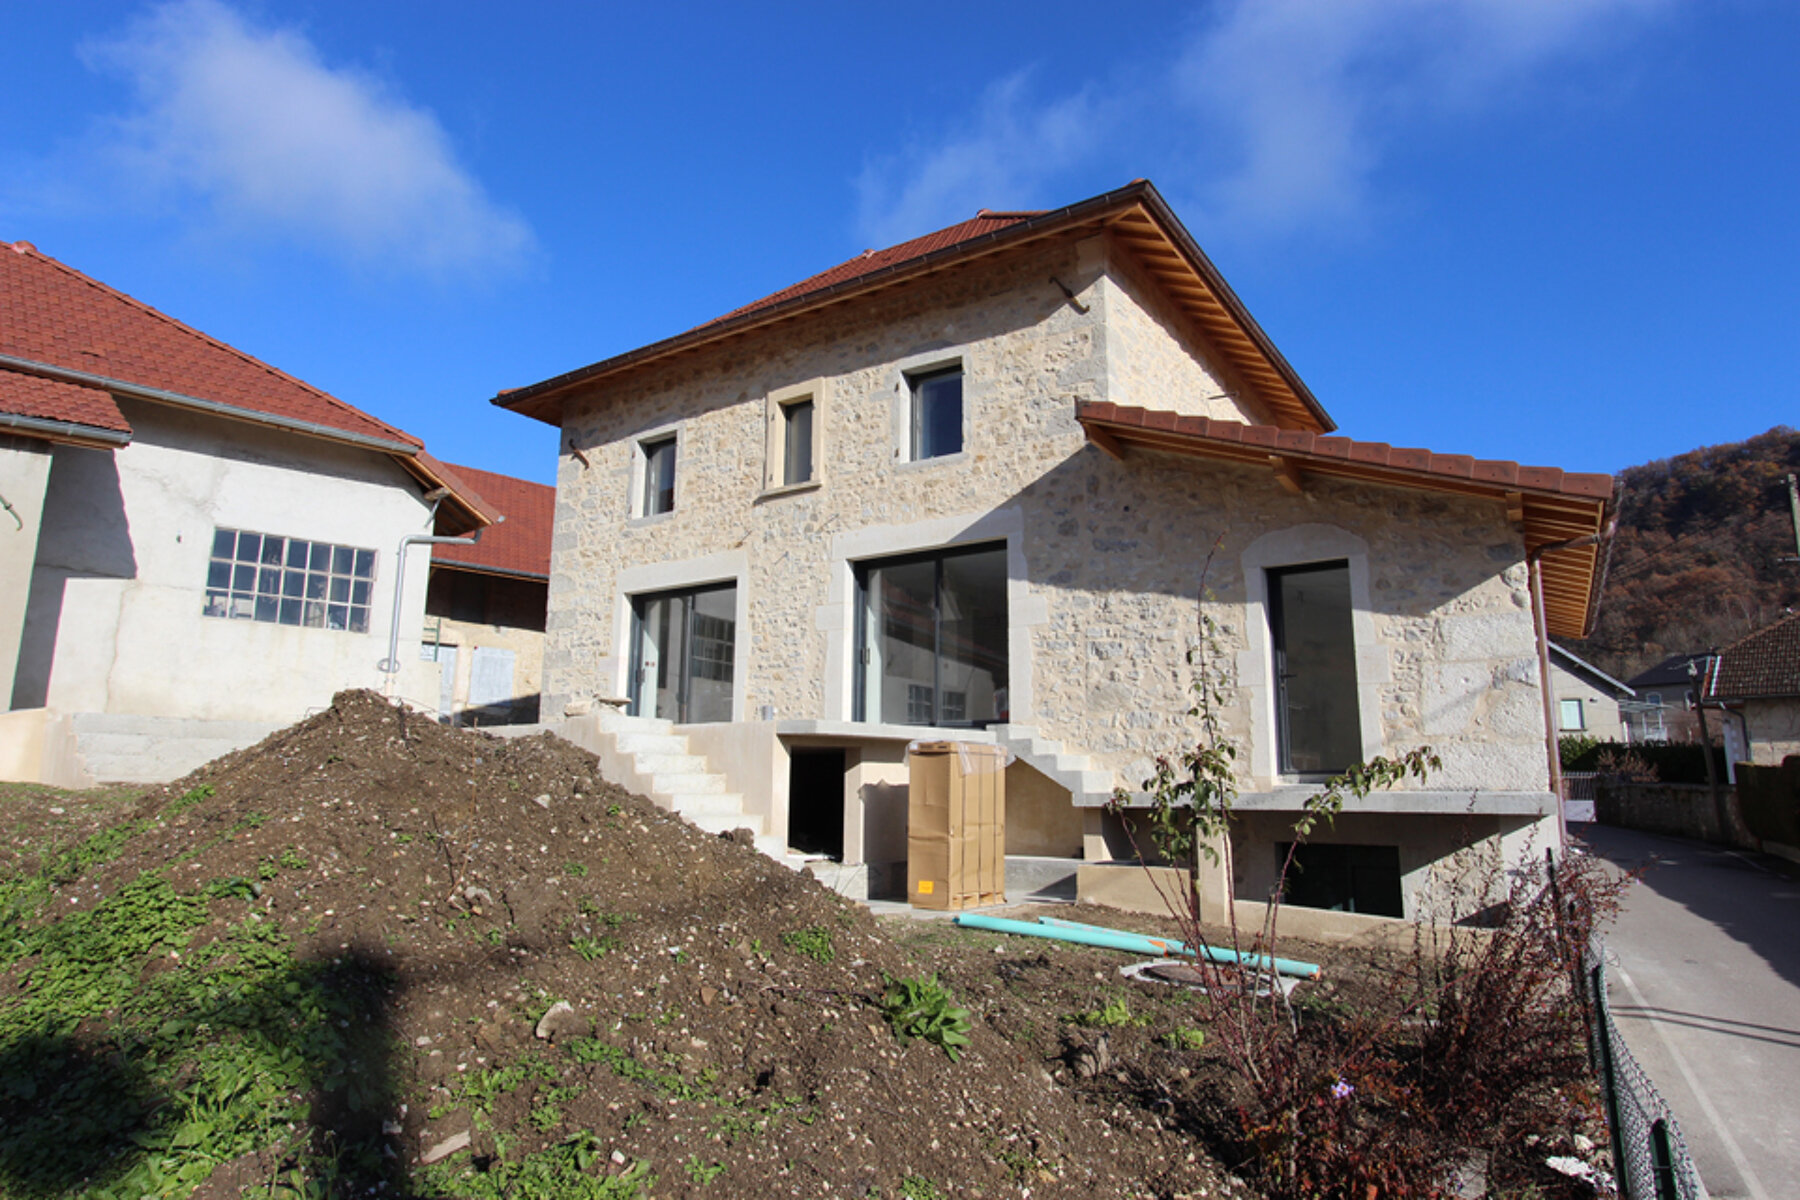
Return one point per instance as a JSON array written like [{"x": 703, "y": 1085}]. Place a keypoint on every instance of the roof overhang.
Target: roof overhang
[
  {"x": 1140, "y": 221},
  {"x": 1546, "y": 504},
  {"x": 69, "y": 433},
  {"x": 465, "y": 511}
]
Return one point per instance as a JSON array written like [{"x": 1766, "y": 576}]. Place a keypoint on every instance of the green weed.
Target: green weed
[
  {"x": 1116, "y": 1014},
  {"x": 814, "y": 942},
  {"x": 922, "y": 1008}
]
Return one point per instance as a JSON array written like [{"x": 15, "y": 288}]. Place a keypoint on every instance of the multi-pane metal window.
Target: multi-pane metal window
[
  {"x": 289, "y": 581},
  {"x": 937, "y": 413}
]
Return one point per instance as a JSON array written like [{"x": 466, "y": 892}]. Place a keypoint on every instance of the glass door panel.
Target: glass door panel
[
  {"x": 934, "y": 639},
  {"x": 684, "y": 651}
]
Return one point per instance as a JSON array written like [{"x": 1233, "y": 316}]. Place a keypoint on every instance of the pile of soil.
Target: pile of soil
[{"x": 536, "y": 959}]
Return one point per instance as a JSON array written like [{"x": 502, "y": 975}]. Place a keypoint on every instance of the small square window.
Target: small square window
[
  {"x": 658, "y": 482},
  {"x": 937, "y": 413}
]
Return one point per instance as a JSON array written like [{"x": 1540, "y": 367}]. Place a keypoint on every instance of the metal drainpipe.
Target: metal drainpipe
[
  {"x": 390, "y": 666},
  {"x": 1552, "y": 751}
]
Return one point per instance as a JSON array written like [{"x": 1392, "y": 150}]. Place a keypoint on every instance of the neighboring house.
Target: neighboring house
[
  {"x": 197, "y": 548},
  {"x": 1757, "y": 680},
  {"x": 979, "y": 486},
  {"x": 1663, "y": 708},
  {"x": 484, "y": 612},
  {"x": 1587, "y": 698}
]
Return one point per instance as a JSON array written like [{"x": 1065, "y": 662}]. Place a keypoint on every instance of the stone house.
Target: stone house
[
  {"x": 979, "y": 486},
  {"x": 484, "y": 609},
  {"x": 197, "y": 548},
  {"x": 1756, "y": 680}
]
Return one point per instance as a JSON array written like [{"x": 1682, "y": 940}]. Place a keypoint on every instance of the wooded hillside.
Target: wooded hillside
[{"x": 1698, "y": 561}]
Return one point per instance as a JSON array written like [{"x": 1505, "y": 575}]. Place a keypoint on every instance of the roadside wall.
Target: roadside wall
[{"x": 1675, "y": 809}]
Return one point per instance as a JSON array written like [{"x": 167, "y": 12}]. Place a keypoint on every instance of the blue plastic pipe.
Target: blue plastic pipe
[
  {"x": 1130, "y": 943},
  {"x": 1283, "y": 966}
]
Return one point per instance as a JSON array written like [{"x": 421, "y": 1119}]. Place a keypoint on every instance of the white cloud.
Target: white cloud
[
  {"x": 998, "y": 159},
  {"x": 1265, "y": 116},
  {"x": 275, "y": 141},
  {"x": 1295, "y": 104}
]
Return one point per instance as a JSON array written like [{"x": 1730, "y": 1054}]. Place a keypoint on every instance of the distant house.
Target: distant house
[
  {"x": 484, "y": 612},
  {"x": 1587, "y": 698},
  {"x": 979, "y": 486},
  {"x": 1662, "y": 708},
  {"x": 1757, "y": 680},
  {"x": 196, "y": 548}
]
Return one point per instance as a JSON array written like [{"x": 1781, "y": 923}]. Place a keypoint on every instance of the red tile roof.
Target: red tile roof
[
  {"x": 871, "y": 261},
  {"x": 53, "y": 315},
  {"x": 1313, "y": 449},
  {"x": 520, "y": 544},
  {"x": 38, "y": 399},
  {"x": 1135, "y": 216},
  {"x": 1550, "y": 506},
  {"x": 1765, "y": 664}
]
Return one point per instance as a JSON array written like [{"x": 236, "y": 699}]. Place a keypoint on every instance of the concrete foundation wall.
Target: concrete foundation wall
[
  {"x": 1040, "y": 820},
  {"x": 115, "y": 622}
]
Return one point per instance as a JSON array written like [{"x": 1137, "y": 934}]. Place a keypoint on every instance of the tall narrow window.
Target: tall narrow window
[
  {"x": 797, "y": 442},
  {"x": 937, "y": 413},
  {"x": 933, "y": 639},
  {"x": 659, "y": 476},
  {"x": 1315, "y": 668}
]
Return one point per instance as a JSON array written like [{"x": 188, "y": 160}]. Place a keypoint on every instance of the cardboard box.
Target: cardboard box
[{"x": 956, "y": 825}]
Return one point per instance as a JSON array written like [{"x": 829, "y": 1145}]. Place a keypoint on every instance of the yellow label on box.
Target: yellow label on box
[{"x": 925, "y": 886}]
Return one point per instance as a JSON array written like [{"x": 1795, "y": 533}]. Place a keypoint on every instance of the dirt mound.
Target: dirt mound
[{"x": 373, "y": 955}]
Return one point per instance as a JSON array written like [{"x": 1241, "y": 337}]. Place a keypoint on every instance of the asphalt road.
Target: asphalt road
[{"x": 1706, "y": 990}]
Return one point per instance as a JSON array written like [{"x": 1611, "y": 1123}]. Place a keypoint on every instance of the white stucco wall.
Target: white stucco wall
[
  {"x": 24, "y": 474},
  {"x": 116, "y": 622}
]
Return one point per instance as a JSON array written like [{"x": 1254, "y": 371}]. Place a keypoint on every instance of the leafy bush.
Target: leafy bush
[
  {"x": 1671, "y": 762},
  {"x": 922, "y": 1008}
]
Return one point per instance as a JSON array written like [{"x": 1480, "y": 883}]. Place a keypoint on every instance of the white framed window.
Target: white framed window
[
  {"x": 653, "y": 477},
  {"x": 289, "y": 581},
  {"x": 1571, "y": 715},
  {"x": 794, "y": 451},
  {"x": 935, "y": 412}
]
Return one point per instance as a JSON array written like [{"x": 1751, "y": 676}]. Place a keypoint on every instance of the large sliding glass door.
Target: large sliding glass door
[
  {"x": 683, "y": 646},
  {"x": 932, "y": 634}
]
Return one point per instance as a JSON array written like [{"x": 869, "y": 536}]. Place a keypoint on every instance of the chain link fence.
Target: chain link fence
[{"x": 1649, "y": 1156}]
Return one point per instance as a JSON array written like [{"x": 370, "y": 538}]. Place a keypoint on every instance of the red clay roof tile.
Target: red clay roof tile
[
  {"x": 1764, "y": 664},
  {"x": 41, "y": 399},
  {"x": 871, "y": 261},
  {"x": 53, "y": 314},
  {"x": 519, "y": 545}
]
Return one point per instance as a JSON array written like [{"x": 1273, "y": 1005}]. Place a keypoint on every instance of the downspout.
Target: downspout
[
  {"x": 390, "y": 666},
  {"x": 1552, "y": 751}
]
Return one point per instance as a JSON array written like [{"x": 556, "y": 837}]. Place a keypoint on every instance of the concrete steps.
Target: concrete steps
[
  {"x": 647, "y": 756},
  {"x": 1089, "y": 785}
]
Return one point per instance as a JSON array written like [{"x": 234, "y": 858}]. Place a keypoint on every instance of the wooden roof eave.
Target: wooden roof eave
[{"x": 1569, "y": 574}]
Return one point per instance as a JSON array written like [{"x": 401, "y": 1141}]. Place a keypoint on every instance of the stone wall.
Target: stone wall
[
  {"x": 1675, "y": 809},
  {"x": 1105, "y": 557},
  {"x": 1774, "y": 729}
]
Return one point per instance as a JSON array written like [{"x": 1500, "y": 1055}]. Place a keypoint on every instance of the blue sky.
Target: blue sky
[{"x": 1558, "y": 231}]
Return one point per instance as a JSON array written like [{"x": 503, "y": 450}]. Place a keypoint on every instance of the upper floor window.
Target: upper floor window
[
  {"x": 656, "y": 484},
  {"x": 1315, "y": 668},
  {"x": 797, "y": 441},
  {"x": 289, "y": 581},
  {"x": 937, "y": 413}
]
